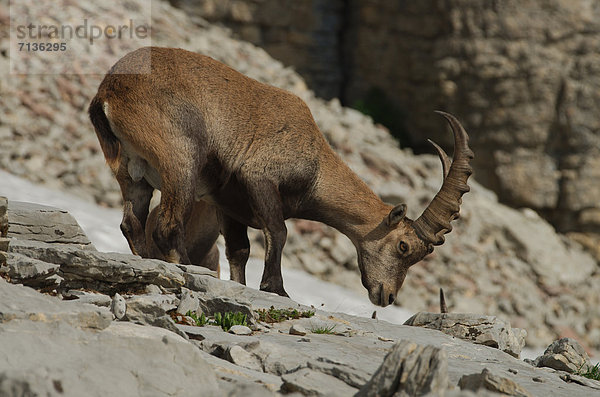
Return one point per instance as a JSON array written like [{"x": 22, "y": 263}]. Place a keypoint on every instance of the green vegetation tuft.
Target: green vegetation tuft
[
  {"x": 591, "y": 373},
  {"x": 200, "y": 321},
  {"x": 229, "y": 319},
  {"x": 323, "y": 330},
  {"x": 223, "y": 320},
  {"x": 273, "y": 315}
]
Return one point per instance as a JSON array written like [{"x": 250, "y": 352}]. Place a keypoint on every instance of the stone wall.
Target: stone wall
[
  {"x": 303, "y": 33},
  {"x": 524, "y": 76}
]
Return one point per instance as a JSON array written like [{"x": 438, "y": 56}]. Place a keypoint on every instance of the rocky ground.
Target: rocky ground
[
  {"x": 497, "y": 261},
  {"x": 75, "y": 321}
]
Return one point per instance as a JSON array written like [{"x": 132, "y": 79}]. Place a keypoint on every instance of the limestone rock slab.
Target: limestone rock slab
[
  {"x": 312, "y": 383},
  {"x": 484, "y": 330},
  {"x": 101, "y": 271},
  {"x": 30, "y": 221},
  {"x": 19, "y": 303},
  {"x": 122, "y": 360},
  {"x": 487, "y": 380}
]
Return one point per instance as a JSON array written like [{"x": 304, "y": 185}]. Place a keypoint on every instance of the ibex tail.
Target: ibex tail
[{"x": 108, "y": 141}]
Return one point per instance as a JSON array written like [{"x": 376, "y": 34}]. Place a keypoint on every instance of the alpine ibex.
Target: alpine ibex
[
  {"x": 201, "y": 232},
  {"x": 198, "y": 130}
]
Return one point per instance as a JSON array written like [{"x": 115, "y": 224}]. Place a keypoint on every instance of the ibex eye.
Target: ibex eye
[{"x": 403, "y": 247}]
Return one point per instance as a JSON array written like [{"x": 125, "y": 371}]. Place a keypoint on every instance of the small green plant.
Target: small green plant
[
  {"x": 591, "y": 373},
  {"x": 273, "y": 315},
  {"x": 223, "y": 320},
  {"x": 229, "y": 319},
  {"x": 326, "y": 329},
  {"x": 200, "y": 321}
]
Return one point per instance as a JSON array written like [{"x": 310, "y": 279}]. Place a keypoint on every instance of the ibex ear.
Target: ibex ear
[{"x": 396, "y": 215}]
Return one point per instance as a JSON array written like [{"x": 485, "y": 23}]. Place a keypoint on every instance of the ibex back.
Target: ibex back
[{"x": 198, "y": 130}]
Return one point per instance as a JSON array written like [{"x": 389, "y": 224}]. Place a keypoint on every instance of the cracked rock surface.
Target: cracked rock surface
[
  {"x": 484, "y": 330},
  {"x": 67, "y": 341}
]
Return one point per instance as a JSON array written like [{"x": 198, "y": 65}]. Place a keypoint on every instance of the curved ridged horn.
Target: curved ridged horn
[
  {"x": 434, "y": 222},
  {"x": 443, "y": 158}
]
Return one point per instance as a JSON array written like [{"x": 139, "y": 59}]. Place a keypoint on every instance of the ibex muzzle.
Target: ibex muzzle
[{"x": 200, "y": 131}]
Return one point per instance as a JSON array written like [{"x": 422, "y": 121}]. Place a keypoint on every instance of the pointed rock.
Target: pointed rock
[{"x": 409, "y": 369}]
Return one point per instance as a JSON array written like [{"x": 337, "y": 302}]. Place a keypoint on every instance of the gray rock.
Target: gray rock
[
  {"x": 487, "y": 380},
  {"x": 26, "y": 303},
  {"x": 166, "y": 302},
  {"x": 468, "y": 393},
  {"x": 118, "y": 307},
  {"x": 99, "y": 271},
  {"x": 30, "y": 221},
  {"x": 581, "y": 380},
  {"x": 565, "y": 354},
  {"x": 143, "y": 311},
  {"x": 3, "y": 217},
  {"x": 246, "y": 389},
  {"x": 192, "y": 331},
  {"x": 232, "y": 374},
  {"x": 30, "y": 272},
  {"x": 238, "y": 356},
  {"x": 153, "y": 289},
  {"x": 409, "y": 369},
  {"x": 216, "y": 294},
  {"x": 137, "y": 360},
  {"x": 484, "y": 330},
  {"x": 210, "y": 305},
  {"x": 37, "y": 382},
  {"x": 297, "y": 329},
  {"x": 312, "y": 383},
  {"x": 345, "y": 372},
  {"x": 199, "y": 270},
  {"x": 276, "y": 358},
  {"x": 274, "y": 355},
  {"x": 240, "y": 330},
  {"x": 89, "y": 297},
  {"x": 189, "y": 302}
]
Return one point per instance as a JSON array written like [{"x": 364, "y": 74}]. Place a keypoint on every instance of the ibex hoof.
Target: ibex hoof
[{"x": 277, "y": 289}]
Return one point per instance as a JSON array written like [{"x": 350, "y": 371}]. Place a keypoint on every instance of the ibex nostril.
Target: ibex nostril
[{"x": 391, "y": 299}]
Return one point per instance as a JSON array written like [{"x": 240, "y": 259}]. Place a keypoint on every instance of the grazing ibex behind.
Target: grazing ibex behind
[
  {"x": 200, "y": 131},
  {"x": 200, "y": 237}
]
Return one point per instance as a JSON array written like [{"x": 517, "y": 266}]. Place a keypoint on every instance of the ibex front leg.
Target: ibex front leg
[
  {"x": 237, "y": 247},
  {"x": 267, "y": 207}
]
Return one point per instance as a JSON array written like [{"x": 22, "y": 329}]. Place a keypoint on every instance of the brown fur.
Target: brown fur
[
  {"x": 205, "y": 132},
  {"x": 201, "y": 232}
]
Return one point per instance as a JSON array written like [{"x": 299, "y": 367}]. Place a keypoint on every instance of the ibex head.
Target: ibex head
[{"x": 387, "y": 251}]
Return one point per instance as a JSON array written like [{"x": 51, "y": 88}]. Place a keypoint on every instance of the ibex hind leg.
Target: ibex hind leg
[
  {"x": 267, "y": 207},
  {"x": 136, "y": 200},
  {"x": 237, "y": 247}
]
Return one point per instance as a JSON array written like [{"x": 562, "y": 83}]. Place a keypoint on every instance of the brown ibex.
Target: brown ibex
[
  {"x": 198, "y": 130},
  {"x": 201, "y": 232}
]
